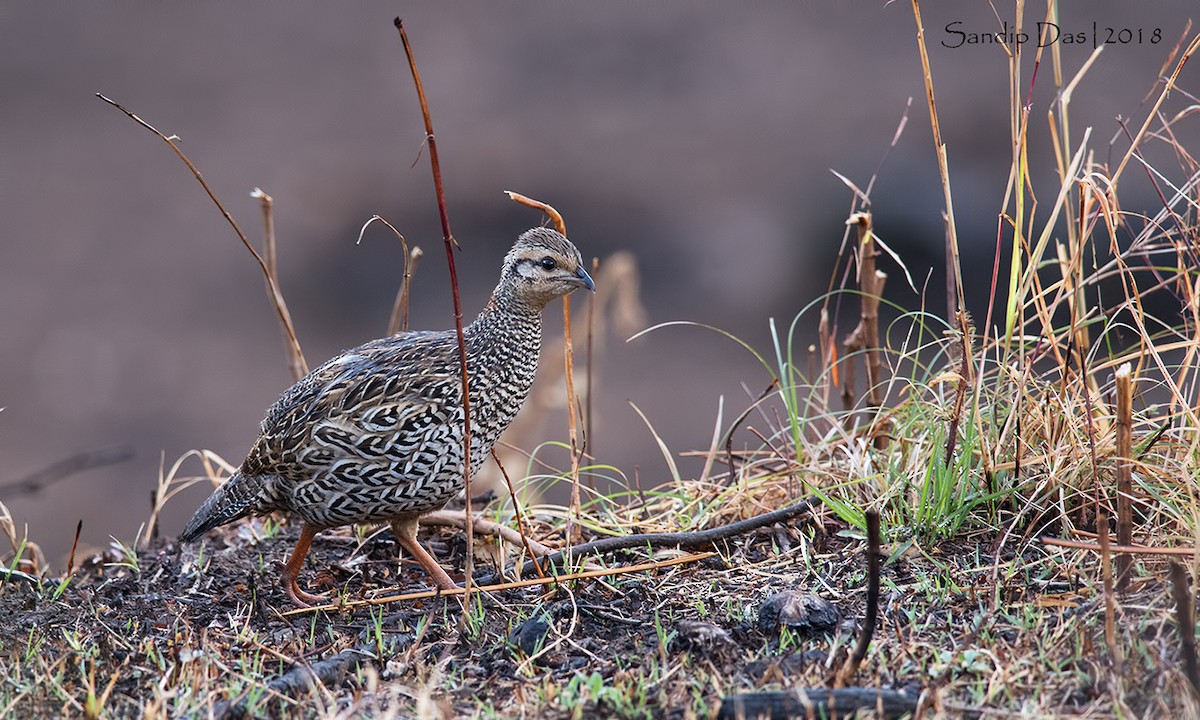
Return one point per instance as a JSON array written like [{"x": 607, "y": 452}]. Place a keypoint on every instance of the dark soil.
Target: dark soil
[{"x": 199, "y": 630}]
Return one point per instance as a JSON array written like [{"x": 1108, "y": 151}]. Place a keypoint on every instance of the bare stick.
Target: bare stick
[
  {"x": 1184, "y": 618},
  {"x": 277, "y": 300},
  {"x": 36, "y": 481},
  {"x": 1124, "y": 473},
  {"x": 450, "y": 242},
  {"x": 74, "y": 547},
  {"x": 1110, "y": 607},
  {"x": 591, "y": 385},
  {"x": 508, "y": 585},
  {"x": 295, "y": 362},
  {"x": 1133, "y": 549},
  {"x": 517, "y": 511},
  {"x": 870, "y": 283},
  {"x": 847, "y": 671},
  {"x": 483, "y": 526},
  {"x": 851, "y": 702},
  {"x": 398, "y": 320},
  {"x": 683, "y": 540},
  {"x": 573, "y": 530}
]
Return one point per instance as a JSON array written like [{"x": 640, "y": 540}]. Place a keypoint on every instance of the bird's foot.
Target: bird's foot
[{"x": 301, "y": 598}]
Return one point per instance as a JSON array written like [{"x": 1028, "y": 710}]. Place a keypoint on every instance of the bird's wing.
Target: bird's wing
[{"x": 383, "y": 393}]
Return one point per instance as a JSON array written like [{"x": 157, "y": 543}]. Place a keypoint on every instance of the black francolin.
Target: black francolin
[{"x": 375, "y": 435}]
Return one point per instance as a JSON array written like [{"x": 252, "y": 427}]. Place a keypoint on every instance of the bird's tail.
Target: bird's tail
[{"x": 235, "y": 499}]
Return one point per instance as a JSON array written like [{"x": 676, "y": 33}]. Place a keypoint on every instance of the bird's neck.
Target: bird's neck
[{"x": 506, "y": 322}]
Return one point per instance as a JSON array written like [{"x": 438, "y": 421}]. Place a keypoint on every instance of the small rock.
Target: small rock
[
  {"x": 802, "y": 613},
  {"x": 530, "y": 636},
  {"x": 703, "y": 638}
]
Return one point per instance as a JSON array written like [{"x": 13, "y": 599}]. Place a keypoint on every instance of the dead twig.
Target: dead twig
[
  {"x": 573, "y": 529},
  {"x": 850, "y": 667},
  {"x": 682, "y": 540},
  {"x": 295, "y": 362},
  {"x": 450, "y": 243},
  {"x": 1186, "y": 622},
  {"x": 865, "y": 337},
  {"x": 77, "y": 463},
  {"x": 277, "y": 300},
  {"x": 819, "y": 703},
  {"x": 480, "y": 587},
  {"x": 302, "y": 678},
  {"x": 525, "y": 541},
  {"x": 1132, "y": 549},
  {"x": 1110, "y": 604},
  {"x": 398, "y": 320},
  {"x": 1124, "y": 473},
  {"x": 454, "y": 518}
]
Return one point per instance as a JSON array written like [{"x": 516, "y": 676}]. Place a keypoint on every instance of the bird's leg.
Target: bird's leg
[
  {"x": 406, "y": 532},
  {"x": 291, "y": 571}
]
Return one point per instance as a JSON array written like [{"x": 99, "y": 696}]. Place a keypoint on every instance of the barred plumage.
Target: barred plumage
[{"x": 375, "y": 434}]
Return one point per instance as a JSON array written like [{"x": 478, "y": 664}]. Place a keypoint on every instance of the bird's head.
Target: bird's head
[{"x": 542, "y": 265}]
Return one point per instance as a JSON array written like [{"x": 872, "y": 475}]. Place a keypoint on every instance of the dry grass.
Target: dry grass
[{"x": 995, "y": 453}]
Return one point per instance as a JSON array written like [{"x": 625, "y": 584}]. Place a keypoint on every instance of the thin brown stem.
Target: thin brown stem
[
  {"x": 590, "y": 354},
  {"x": 1186, "y": 622},
  {"x": 277, "y": 300},
  {"x": 450, "y": 243},
  {"x": 954, "y": 270},
  {"x": 682, "y": 540},
  {"x": 1124, "y": 473},
  {"x": 296, "y": 365},
  {"x": 870, "y": 283},
  {"x": 517, "y": 511},
  {"x": 573, "y": 529},
  {"x": 847, "y": 671},
  {"x": 1110, "y": 605},
  {"x": 74, "y": 547}
]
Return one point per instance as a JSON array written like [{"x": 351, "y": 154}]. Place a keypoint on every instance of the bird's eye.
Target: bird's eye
[{"x": 548, "y": 263}]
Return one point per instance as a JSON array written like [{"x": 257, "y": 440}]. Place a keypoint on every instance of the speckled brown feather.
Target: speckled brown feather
[{"x": 375, "y": 434}]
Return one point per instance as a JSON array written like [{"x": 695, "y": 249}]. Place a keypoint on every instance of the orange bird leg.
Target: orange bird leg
[
  {"x": 406, "y": 532},
  {"x": 291, "y": 571}
]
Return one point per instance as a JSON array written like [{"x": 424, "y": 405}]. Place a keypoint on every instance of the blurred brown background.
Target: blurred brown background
[{"x": 697, "y": 136}]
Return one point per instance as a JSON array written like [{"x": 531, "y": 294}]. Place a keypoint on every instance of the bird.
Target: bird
[{"x": 375, "y": 435}]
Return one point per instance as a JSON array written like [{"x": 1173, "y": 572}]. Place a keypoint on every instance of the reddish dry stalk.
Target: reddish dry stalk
[
  {"x": 276, "y": 295},
  {"x": 573, "y": 529},
  {"x": 74, "y": 546},
  {"x": 1124, "y": 473},
  {"x": 850, "y": 667},
  {"x": 450, "y": 242},
  {"x": 517, "y": 511}
]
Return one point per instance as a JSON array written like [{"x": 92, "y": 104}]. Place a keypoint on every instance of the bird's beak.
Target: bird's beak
[{"x": 582, "y": 277}]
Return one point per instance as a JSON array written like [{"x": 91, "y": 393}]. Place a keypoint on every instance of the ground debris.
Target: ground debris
[
  {"x": 203, "y": 631},
  {"x": 800, "y": 612}
]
